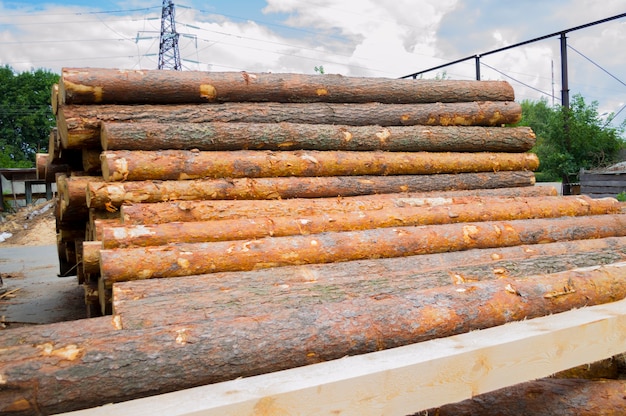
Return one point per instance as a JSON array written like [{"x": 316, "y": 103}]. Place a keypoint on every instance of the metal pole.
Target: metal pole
[
  {"x": 477, "y": 59},
  {"x": 564, "y": 80}
]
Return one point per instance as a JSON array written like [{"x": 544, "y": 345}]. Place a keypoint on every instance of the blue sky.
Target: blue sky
[{"x": 350, "y": 37}]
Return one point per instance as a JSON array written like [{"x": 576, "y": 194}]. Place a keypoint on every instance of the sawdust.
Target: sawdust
[{"x": 33, "y": 225}]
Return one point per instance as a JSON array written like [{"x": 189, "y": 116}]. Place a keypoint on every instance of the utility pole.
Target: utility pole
[{"x": 169, "y": 55}]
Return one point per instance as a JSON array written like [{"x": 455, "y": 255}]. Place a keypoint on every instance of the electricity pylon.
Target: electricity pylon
[{"x": 169, "y": 55}]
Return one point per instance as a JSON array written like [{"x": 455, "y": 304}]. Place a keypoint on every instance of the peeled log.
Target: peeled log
[
  {"x": 162, "y": 212},
  {"x": 545, "y": 397},
  {"x": 79, "y": 125},
  {"x": 107, "y": 194},
  {"x": 197, "y": 258},
  {"x": 139, "y": 165},
  {"x": 102, "y": 86},
  {"x": 291, "y": 136},
  {"x": 86, "y": 363},
  {"x": 261, "y": 226}
]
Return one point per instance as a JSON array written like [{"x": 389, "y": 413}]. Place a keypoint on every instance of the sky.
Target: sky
[{"x": 369, "y": 38}]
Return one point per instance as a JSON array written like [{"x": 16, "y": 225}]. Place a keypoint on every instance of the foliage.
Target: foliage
[
  {"x": 320, "y": 69},
  {"x": 571, "y": 139},
  {"x": 25, "y": 115},
  {"x": 621, "y": 196}
]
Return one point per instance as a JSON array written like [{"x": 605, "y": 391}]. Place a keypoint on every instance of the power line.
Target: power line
[
  {"x": 517, "y": 80},
  {"x": 597, "y": 65}
]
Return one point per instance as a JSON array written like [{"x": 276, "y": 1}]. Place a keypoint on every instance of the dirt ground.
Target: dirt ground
[
  {"x": 31, "y": 292},
  {"x": 33, "y": 225}
]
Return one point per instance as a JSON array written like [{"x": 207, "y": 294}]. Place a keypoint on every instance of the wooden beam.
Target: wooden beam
[{"x": 407, "y": 379}]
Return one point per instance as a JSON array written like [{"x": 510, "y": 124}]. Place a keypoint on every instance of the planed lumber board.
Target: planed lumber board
[
  {"x": 220, "y": 136},
  {"x": 410, "y": 378},
  {"x": 102, "y": 85}
]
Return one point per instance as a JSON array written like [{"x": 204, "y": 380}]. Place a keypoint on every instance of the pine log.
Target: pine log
[
  {"x": 91, "y": 164},
  {"x": 91, "y": 258},
  {"x": 183, "y": 259},
  {"x": 118, "y": 236},
  {"x": 41, "y": 161},
  {"x": 79, "y": 125},
  {"x": 139, "y": 165},
  {"x": 142, "y": 303},
  {"x": 114, "y": 194},
  {"x": 424, "y": 271},
  {"x": 110, "y": 86},
  {"x": 162, "y": 212},
  {"x": 100, "y": 225},
  {"x": 54, "y": 146},
  {"x": 82, "y": 364},
  {"x": 73, "y": 192},
  {"x": 544, "y": 397},
  {"x": 53, "y": 169},
  {"x": 291, "y": 136},
  {"x": 54, "y": 98}
]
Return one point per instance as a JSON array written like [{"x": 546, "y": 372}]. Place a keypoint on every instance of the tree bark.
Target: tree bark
[
  {"x": 85, "y": 363},
  {"x": 100, "y": 86},
  {"x": 162, "y": 212},
  {"x": 119, "y": 236},
  {"x": 79, "y": 125},
  {"x": 114, "y": 194},
  {"x": 41, "y": 162},
  {"x": 125, "y": 165},
  {"x": 425, "y": 271},
  {"x": 151, "y": 135},
  {"x": 184, "y": 259},
  {"x": 73, "y": 193},
  {"x": 545, "y": 397},
  {"x": 91, "y": 163},
  {"x": 91, "y": 257}
]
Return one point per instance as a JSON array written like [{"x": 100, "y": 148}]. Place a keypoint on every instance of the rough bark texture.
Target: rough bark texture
[
  {"x": 91, "y": 257},
  {"x": 197, "y": 258},
  {"x": 100, "y": 86},
  {"x": 291, "y": 136},
  {"x": 115, "y": 194},
  {"x": 91, "y": 161},
  {"x": 545, "y": 397},
  {"x": 79, "y": 125},
  {"x": 86, "y": 363},
  {"x": 192, "y": 299},
  {"x": 139, "y": 165},
  {"x": 261, "y": 226},
  {"x": 418, "y": 272},
  {"x": 162, "y": 212},
  {"x": 73, "y": 193}
]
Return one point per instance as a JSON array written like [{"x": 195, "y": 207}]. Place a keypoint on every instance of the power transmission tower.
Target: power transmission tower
[{"x": 169, "y": 55}]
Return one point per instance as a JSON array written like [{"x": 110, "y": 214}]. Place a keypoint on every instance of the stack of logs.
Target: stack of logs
[
  {"x": 331, "y": 152},
  {"x": 274, "y": 220}
]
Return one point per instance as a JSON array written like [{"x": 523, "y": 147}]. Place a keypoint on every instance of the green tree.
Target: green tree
[
  {"x": 570, "y": 139},
  {"x": 25, "y": 115}
]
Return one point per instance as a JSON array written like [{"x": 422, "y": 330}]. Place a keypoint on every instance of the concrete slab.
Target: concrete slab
[{"x": 42, "y": 297}]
